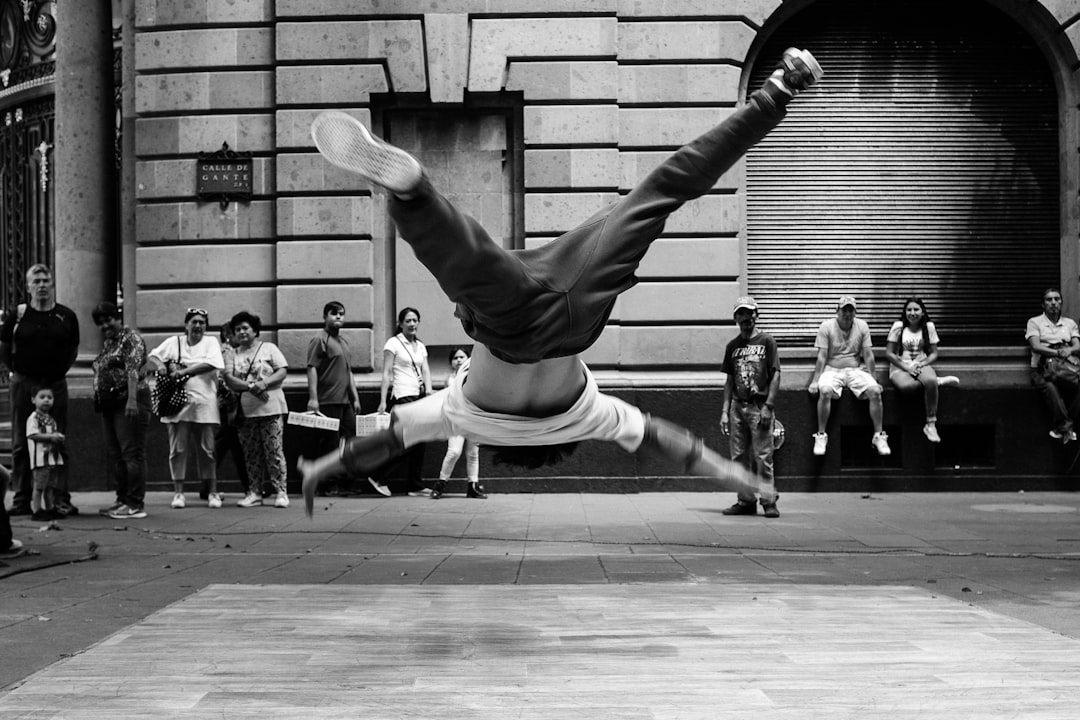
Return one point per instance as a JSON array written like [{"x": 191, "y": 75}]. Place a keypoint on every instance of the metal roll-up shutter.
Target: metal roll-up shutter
[{"x": 925, "y": 163}]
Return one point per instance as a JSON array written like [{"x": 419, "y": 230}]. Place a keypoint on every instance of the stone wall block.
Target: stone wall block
[
  {"x": 203, "y": 133},
  {"x": 310, "y": 172},
  {"x": 325, "y": 260},
  {"x": 493, "y": 41},
  {"x": 324, "y": 216},
  {"x": 572, "y": 168},
  {"x": 711, "y": 214},
  {"x": 198, "y": 265},
  {"x": 666, "y": 40},
  {"x": 635, "y": 165},
  {"x": 673, "y": 127},
  {"x": 675, "y": 301},
  {"x": 294, "y": 126},
  {"x": 320, "y": 8},
  {"x": 564, "y": 80},
  {"x": 188, "y": 221},
  {"x": 401, "y": 42},
  {"x": 293, "y": 343},
  {"x": 1064, "y": 11},
  {"x": 162, "y": 311},
  {"x": 329, "y": 84},
  {"x": 673, "y": 84},
  {"x": 447, "y": 40},
  {"x": 571, "y": 124},
  {"x": 675, "y": 346},
  {"x": 756, "y": 11},
  {"x": 177, "y": 178},
  {"x": 692, "y": 257},
  {"x": 607, "y": 348},
  {"x": 303, "y": 304},
  {"x": 163, "y": 13},
  {"x": 173, "y": 92},
  {"x": 176, "y": 49},
  {"x": 559, "y": 212}
]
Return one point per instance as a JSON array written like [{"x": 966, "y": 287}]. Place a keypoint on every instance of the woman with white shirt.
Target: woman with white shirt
[
  {"x": 912, "y": 349},
  {"x": 198, "y": 358},
  {"x": 407, "y": 377}
]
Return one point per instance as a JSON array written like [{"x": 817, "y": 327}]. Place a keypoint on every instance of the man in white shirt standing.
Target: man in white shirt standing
[{"x": 845, "y": 359}]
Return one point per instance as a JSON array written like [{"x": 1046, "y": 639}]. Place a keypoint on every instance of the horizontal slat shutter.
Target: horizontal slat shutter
[{"x": 925, "y": 163}]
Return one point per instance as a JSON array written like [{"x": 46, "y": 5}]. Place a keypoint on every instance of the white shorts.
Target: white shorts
[{"x": 834, "y": 380}]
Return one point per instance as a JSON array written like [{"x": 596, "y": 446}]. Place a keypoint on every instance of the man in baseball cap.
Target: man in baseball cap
[
  {"x": 845, "y": 359},
  {"x": 752, "y": 365}
]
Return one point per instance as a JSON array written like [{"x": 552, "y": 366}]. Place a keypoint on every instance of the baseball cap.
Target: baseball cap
[
  {"x": 846, "y": 300},
  {"x": 745, "y": 302}
]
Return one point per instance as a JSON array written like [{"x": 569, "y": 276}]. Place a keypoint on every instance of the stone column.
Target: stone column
[{"x": 83, "y": 162}]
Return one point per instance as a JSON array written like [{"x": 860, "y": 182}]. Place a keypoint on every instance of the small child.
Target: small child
[{"x": 44, "y": 441}]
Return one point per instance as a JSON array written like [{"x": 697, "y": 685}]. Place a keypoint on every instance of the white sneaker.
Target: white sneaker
[
  {"x": 15, "y": 547},
  {"x": 930, "y": 431},
  {"x": 948, "y": 381},
  {"x": 214, "y": 501},
  {"x": 250, "y": 500},
  {"x": 178, "y": 501},
  {"x": 379, "y": 487},
  {"x": 880, "y": 442},
  {"x": 347, "y": 143},
  {"x": 282, "y": 501},
  {"x": 821, "y": 441}
]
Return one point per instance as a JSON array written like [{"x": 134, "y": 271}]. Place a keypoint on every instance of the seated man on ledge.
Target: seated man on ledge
[{"x": 531, "y": 312}]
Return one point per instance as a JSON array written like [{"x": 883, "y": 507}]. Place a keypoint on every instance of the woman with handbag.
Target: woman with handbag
[
  {"x": 122, "y": 397},
  {"x": 1055, "y": 373},
  {"x": 190, "y": 363},
  {"x": 912, "y": 350},
  {"x": 407, "y": 377},
  {"x": 257, "y": 373}
]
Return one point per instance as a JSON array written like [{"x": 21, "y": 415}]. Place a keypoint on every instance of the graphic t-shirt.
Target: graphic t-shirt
[
  {"x": 752, "y": 364},
  {"x": 911, "y": 343}
]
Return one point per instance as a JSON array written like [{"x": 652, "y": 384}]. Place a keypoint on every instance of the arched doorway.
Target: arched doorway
[{"x": 926, "y": 163}]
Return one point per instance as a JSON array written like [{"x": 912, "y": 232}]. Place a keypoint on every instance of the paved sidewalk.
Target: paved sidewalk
[{"x": 1012, "y": 553}]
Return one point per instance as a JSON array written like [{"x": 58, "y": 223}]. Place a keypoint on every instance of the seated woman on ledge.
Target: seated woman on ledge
[{"x": 912, "y": 349}]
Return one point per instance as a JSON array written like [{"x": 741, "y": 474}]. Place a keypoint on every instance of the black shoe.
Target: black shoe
[
  {"x": 437, "y": 489},
  {"x": 67, "y": 508},
  {"x": 770, "y": 510},
  {"x": 44, "y": 516},
  {"x": 740, "y": 508},
  {"x": 20, "y": 510},
  {"x": 476, "y": 491}
]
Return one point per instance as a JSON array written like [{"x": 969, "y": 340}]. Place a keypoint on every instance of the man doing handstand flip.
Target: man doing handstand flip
[{"x": 531, "y": 312}]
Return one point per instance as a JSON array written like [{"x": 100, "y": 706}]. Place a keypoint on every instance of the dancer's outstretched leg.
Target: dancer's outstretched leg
[
  {"x": 682, "y": 447},
  {"x": 359, "y": 456}
]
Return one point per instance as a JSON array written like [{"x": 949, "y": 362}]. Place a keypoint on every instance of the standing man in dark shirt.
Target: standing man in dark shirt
[
  {"x": 331, "y": 388},
  {"x": 39, "y": 342},
  {"x": 752, "y": 365}
]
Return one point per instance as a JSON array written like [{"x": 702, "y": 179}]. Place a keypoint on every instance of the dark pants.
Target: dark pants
[
  {"x": 125, "y": 450},
  {"x": 1060, "y": 398},
  {"x": 411, "y": 461},
  {"x": 22, "y": 407},
  {"x": 227, "y": 442},
  {"x": 5, "y": 521},
  {"x": 553, "y": 301}
]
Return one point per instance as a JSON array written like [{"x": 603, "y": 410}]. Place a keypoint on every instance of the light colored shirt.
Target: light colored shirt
[
  {"x": 43, "y": 453},
  {"x": 201, "y": 388},
  {"x": 911, "y": 343},
  {"x": 594, "y": 416},
  {"x": 844, "y": 349},
  {"x": 1050, "y": 334},
  {"x": 408, "y": 365},
  {"x": 256, "y": 363}
]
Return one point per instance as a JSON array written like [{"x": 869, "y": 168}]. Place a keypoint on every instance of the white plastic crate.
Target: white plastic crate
[
  {"x": 313, "y": 420},
  {"x": 371, "y": 424}
]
